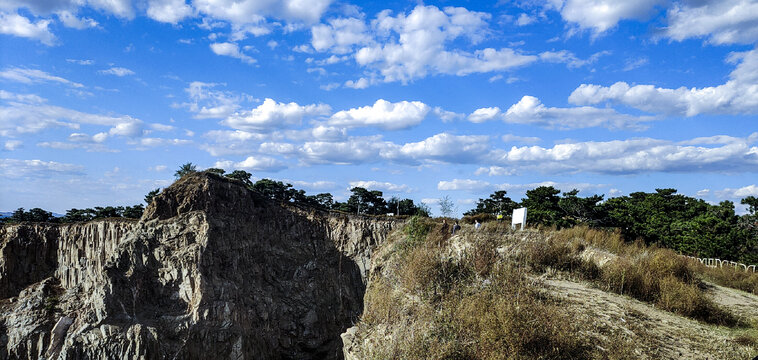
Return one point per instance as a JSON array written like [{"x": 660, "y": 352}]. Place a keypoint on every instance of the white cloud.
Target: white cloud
[
  {"x": 70, "y": 20},
  {"x": 720, "y": 21},
  {"x": 155, "y": 142},
  {"x": 745, "y": 191},
  {"x": 529, "y": 110},
  {"x": 120, "y": 8},
  {"x": 631, "y": 156},
  {"x": 484, "y": 114},
  {"x": 414, "y": 45},
  {"x": 80, "y": 62},
  {"x": 158, "y": 168},
  {"x": 383, "y": 186},
  {"x": 20, "y": 118},
  {"x": 383, "y": 114},
  {"x": 169, "y": 11},
  {"x": 602, "y": 15},
  {"x": 361, "y": 83},
  {"x": 231, "y": 50},
  {"x": 208, "y": 103},
  {"x": 15, "y": 169},
  {"x": 444, "y": 147},
  {"x": 447, "y": 116},
  {"x": 32, "y": 76},
  {"x": 11, "y": 145},
  {"x": 354, "y": 150},
  {"x": 739, "y": 95},
  {"x": 253, "y": 163},
  {"x": 569, "y": 58},
  {"x": 253, "y": 11},
  {"x": 495, "y": 171},
  {"x": 507, "y": 138},
  {"x": 525, "y": 19},
  {"x": 117, "y": 71},
  {"x": 272, "y": 115},
  {"x": 17, "y": 25},
  {"x": 340, "y": 35},
  {"x": 463, "y": 184},
  {"x": 703, "y": 193}
]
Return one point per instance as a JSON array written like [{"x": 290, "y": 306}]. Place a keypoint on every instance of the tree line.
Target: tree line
[{"x": 688, "y": 225}]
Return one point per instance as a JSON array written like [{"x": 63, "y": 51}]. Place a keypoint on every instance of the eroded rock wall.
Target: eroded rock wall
[{"x": 211, "y": 270}]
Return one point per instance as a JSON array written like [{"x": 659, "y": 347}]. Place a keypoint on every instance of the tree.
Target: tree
[
  {"x": 323, "y": 200},
  {"x": 134, "y": 212},
  {"x": 274, "y": 190},
  {"x": 216, "y": 171},
  {"x": 149, "y": 197},
  {"x": 446, "y": 206},
  {"x": 366, "y": 202},
  {"x": 184, "y": 170},
  {"x": 581, "y": 210},
  {"x": 241, "y": 175},
  {"x": 497, "y": 203},
  {"x": 542, "y": 205},
  {"x": 752, "y": 204}
]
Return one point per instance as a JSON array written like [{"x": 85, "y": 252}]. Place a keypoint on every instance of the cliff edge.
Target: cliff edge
[{"x": 211, "y": 269}]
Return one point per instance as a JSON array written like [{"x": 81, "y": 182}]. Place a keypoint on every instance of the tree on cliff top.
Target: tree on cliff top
[{"x": 185, "y": 169}]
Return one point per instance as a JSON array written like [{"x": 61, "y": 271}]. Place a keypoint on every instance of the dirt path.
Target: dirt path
[{"x": 654, "y": 333}]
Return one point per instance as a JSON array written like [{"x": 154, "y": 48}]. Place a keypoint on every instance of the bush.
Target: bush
[
  {"x": 733, "y": 278},
  {"x": 666, "y": 279}
]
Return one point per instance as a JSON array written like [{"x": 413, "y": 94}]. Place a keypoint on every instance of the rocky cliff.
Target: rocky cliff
[{"x": 211, "y": 270}]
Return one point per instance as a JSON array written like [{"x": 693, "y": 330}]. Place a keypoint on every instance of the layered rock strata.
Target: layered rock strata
[{"x": 211, "y": 270}]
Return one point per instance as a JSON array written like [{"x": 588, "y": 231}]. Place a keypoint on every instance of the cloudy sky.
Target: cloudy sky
[{"x": 102, "y": 100}]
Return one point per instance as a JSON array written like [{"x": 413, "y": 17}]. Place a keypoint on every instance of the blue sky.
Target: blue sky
[{"x": 101, "y": 101}]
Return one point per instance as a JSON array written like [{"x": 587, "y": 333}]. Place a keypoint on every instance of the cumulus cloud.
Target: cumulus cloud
[
  {"x": 18, "y": 169},
  {"x": 630, "y": 157},
  {"x": 510, "y": 138},
  {"x": 253, "y": 163},
  {"x": 272, "y": 115},
  {"x": 443, "y": 147},
  {"x": 720, "y": 21},
  {"x": 738, "y": 193},
  {"x": 251, "y": 11},
  {"x": 383, "y": 114},
  {"x": 169, "y": 11},
  {"x": 383, "y": 186},
  {"x": 17, "y": 25},
  {"x": 33, "y": 76},
  {"x": 231, "y": 50},
  {"x": 414, "y": 45},
  {"x": 484, "y": 114},
  {"x": 602, "y": 15},
  {"x": 529, "y": 110},
  {"x": 739, "y": 95},
  {"x": 117, "y": 71}
]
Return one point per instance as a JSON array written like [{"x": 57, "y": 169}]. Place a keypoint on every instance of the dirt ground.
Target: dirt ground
[{"x": 655, "y": 333}]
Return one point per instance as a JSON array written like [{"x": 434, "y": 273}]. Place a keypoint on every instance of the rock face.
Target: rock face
[{"x": 212, "y": 270}]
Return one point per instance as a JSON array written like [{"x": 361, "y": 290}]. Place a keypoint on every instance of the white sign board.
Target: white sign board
[{"x": 519, "y": 217}]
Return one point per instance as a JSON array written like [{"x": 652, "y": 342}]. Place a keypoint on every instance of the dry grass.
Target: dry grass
[
  {"x": 731, "y": 277},
  {"x": 488, "y": 304}
]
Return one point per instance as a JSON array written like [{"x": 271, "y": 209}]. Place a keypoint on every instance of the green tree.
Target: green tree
[
  {"x": 241, "y": 175},
  {"x": 134, "y": 212},
  {"x": 149, "y": 197},
  {"x": 586, "y": 210},
  {"x": 542, "y": 206},
  {"x": 497, "y": 203},
  {"x": 184, "y": 170},
  {"x": 216, "y": 171},
  {"x": 363, "y": 201}
]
